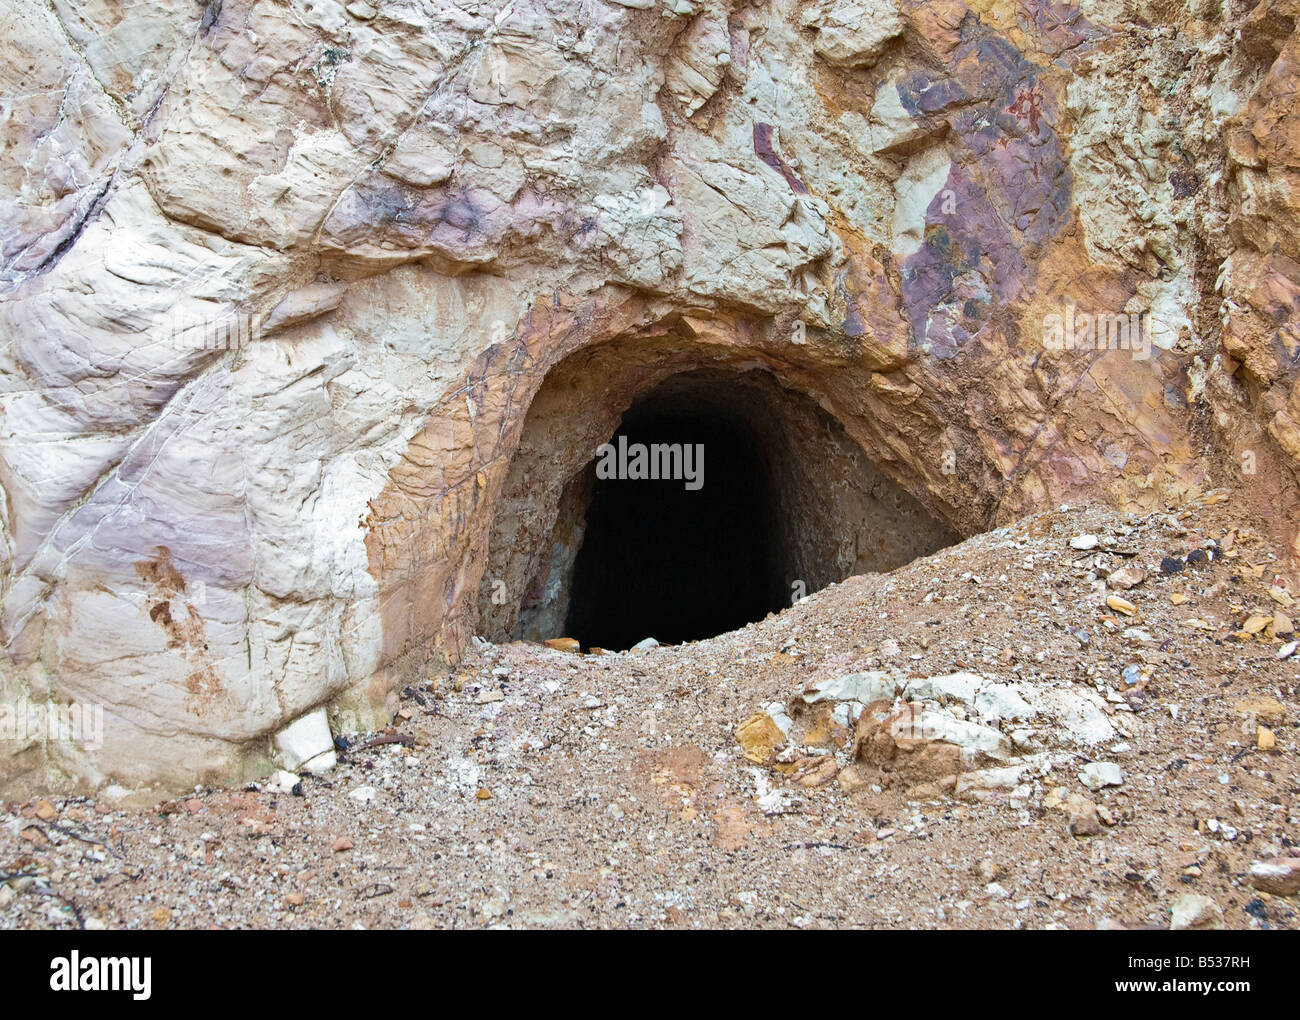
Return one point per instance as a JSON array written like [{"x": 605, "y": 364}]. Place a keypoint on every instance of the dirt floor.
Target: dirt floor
[{"x": 541, "y": 788}]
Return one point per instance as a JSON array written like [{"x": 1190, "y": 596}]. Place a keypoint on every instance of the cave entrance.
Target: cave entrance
[
  {"x": 690, "y": 552},
  {"x": 766, "y": 499}
]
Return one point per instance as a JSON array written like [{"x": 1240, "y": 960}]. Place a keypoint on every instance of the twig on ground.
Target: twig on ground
[{"x": 396, "y": 738}]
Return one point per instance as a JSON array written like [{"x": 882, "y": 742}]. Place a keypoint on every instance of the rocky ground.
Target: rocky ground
[{"x": 1085, "y": 720}]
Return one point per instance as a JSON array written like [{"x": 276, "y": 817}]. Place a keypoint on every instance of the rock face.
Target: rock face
[{"x": 281, "y": 281}]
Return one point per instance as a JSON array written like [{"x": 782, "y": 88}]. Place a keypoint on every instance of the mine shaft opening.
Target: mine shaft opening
[
  {"x": 681, "y": 504},
  {"x": 688, "y": 552}
]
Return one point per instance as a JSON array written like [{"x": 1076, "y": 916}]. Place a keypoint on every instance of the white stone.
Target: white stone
[
  {"x": 1005, "y": 778},
  {"x": 926, "y": 723},
  {"x": 1192, "y": 910},
  {"x": 1077, "y": 714},
  {"x": 923, "y": 177},
  {"x": 861, "y": 687},
  {"x": 890, "y": 125},
  {"x": 1279, "y": 878},
  {"x": 777, "y": 713},
  {"x": 1096, "y": 775},
  {"x": 852, "y": 33},
  {"x": 952, "y": 686},
  {"x": 282, "y": 782},
  {"x": 1002, "y": 701},
  {"x": 307, "y": 744},
  {"x": 303, "y": 305}
]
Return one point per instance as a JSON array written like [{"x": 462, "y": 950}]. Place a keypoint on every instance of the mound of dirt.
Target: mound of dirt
[{"x": 1087, "y": 719}]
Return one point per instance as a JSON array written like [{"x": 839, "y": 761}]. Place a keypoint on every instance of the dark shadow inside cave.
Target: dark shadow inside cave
[
  {"x": 677, "y": 558},
  {"x": 787, "y": 503}
]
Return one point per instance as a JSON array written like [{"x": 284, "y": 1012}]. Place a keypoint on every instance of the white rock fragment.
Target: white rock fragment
[
  {"x": 1192, "y": 910},
  {"x": 1004, "y": 778},
  {"x": 1083, "y": 543},
  {"x": 281, "y": 782},
  {"x": 861, "y": 687},
  {"x": 1003, "y": 702},
  {"x": 1278, "y": 878},
  {"x": 694, "y": 71},
  {"x": 1078, "y": 714},
  {"x": 989, "y": 699},
  {"x": 303, "y": 305},
  {"x": 1096, "y": 775},
  {"x": 923, "y": 177},
  {"x": 777, "y": 713},
  {"x": 852, "y": 33},
  {"x": 771, "y": 800},
  {"x": 960, "y": 687},
  {"x": 306, "y": 743},
  {"x": 923, "y": 722},
  {"x": 890, "y": 124}
]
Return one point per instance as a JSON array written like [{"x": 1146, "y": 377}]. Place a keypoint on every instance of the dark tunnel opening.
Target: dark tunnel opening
[
  {"x": 683, "y": 557},
  {"x": 787, "y": 502}
]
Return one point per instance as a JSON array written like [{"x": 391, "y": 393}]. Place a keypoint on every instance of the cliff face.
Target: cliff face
[{"x": 282, "y": 280}]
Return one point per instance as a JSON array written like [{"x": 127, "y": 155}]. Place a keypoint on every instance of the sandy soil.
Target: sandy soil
[{"x": 542, "y": 788}]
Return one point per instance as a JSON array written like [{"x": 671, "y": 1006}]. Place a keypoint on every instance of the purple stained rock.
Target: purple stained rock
[{"x": 1008, "y": 190}]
